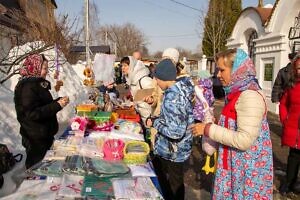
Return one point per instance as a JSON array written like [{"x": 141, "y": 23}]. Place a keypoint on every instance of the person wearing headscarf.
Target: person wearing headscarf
[
  {"x": 289, "y": 112},
  {"x": 36, "y": 110},
  {"x": 137, "y": 76},
  {"x": 245, "y": 163}
]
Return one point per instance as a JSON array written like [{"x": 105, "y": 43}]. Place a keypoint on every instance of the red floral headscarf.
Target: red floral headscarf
[{"x": 32, "y": 66}]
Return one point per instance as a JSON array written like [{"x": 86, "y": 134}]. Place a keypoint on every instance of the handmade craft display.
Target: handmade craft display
[
  {"x": 113, "y": 149},
  {"x": 136, "y": 152}
]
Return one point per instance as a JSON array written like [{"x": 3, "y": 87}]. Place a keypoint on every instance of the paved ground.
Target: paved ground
[{"x": 198, "y": 184}]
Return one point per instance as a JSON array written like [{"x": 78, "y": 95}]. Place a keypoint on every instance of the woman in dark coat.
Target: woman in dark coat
[
  {"x": 36, "y": 109},
  {"x": 289, "y": 110}
]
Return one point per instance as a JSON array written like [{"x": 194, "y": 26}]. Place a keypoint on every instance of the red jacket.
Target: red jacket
[{"x": 289, "y": 110}]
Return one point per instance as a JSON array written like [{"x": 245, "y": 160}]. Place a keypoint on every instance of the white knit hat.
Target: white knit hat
[{"x": 171, "y": 53}]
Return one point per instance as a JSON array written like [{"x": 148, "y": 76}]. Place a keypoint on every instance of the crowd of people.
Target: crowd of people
[{"x": 173, "y": 114}]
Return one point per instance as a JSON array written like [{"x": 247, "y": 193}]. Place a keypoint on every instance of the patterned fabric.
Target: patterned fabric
[
  {"x": 242, "y": 75},
  {"x": 205, "y": 85},
  {"x": 173, "y": 141},
  {"x": 32, "y": 66},
  {"x": 244, "y": 174}
]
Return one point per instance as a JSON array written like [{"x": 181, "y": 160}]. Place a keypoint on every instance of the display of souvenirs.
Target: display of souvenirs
[
  {"x": 97, "y": 187},
  {"x": 105, "y": 168},
  {"x": 145, "y": 169},
  {"x": 135, "y": 188},
  {"x": 136, "y": 152},
  {"x": 84, "y": 108},
  {"x": 71, "y": 186},
  {"x": 126, "y": 126},
  {"x": 35, "y": 189},
  {"x": 74, "y": 164},
  {"x": 47, "y": 168},
  {"x": 107, "y": 161},
  {"x": 91, "y": 147},
  {"x": 128, "y": 113},
  {"x": 113, "y": 149},
  {"x": 79, "y": 124},
  {"x": 68, "y": 145}
]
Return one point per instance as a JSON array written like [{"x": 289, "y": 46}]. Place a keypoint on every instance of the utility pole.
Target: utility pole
[{"x": 87, "y": 35}]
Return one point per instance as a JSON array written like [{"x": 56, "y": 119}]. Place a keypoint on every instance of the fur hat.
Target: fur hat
[
  {"x": 172, "y": 54},
  {"x": 165, "y": 70}
]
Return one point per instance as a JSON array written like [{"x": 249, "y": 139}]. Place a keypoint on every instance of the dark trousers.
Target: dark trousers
[
  {"x": 293, "y": 164},
  {"x": 35, "y": 150},
  {"x": 170, "y": 177}
]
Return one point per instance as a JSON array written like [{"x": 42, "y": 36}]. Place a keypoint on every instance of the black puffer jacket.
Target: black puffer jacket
[
  {"x": 36, "y": 109},
  {"x": 282, "y": 82}
]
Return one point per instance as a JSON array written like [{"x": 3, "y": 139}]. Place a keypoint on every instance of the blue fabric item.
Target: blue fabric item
[
  {"x": 174, "y": 139},
  {"x": 165, "y": 70},
  {"x": 240, "y": 57}
]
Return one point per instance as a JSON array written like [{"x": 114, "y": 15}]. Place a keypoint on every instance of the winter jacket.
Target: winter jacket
[
  {"x": 250, "y": 109},
  {"x": 289, "y": 111},
  {"x": 138, "y": 78},
  {"x": 282, "y": 82},
  {"x": 174, "y": 141},
  {"x": 36, "y": 109}
]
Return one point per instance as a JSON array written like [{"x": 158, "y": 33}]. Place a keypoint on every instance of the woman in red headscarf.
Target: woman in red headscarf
[{"x": 36, "y": 109}]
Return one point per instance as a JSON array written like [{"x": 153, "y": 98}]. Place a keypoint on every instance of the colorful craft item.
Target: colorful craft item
[
  {"x": 114, "y": 117},
  {"x": 105, "y": 126},
  {"x": 86, "y": 108},
  {"x": 128, "y": 127},
  {"x": 79, "y": 124},
  {"x": 136, "y": 152},
  {"x": 113, "y": 149}
]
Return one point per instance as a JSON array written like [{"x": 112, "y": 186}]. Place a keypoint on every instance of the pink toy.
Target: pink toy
[
  {"x": 79, "y": 124},
  {"x": 113, "y": 149}
]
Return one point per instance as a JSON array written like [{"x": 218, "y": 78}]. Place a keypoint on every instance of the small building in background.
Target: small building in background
[
  {"x": 268, "y": 34},
  {"x": 78, "y": 52}
]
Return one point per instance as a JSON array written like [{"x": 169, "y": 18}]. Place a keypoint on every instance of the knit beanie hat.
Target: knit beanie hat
[
  {"x": 172, "y": 54},
  {"x": 165, "y": 70}
]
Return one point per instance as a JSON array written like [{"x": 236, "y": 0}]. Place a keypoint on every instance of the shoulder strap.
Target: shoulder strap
[{"x": 141, "y": 79}]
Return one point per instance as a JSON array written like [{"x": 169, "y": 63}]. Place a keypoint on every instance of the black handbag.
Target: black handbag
[{"x": 7, "y": 159}]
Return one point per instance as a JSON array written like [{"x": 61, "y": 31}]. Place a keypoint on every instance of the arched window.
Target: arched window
[{"x": 251, "y": 44}]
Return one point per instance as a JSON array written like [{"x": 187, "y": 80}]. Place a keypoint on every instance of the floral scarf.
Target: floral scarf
[
  {"x": 242, "y": 75},
  {"x": 32, "y": 66}
]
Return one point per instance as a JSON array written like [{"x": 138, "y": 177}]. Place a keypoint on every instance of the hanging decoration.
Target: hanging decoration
[
  {"x": 89, "y": 76},
  {"x": 59, "y": 82}
]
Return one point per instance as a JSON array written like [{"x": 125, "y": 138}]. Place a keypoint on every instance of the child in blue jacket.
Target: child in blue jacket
[{"x": 173, "y": 142}]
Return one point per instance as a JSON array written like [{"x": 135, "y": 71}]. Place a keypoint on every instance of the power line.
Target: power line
[
  {"x": 170, "y": 36},
  {"x": 162, "y": 7},
  {"x": 187, "y": 6}
]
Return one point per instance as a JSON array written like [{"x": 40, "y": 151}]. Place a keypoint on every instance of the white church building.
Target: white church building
[{"x": 268, "y": 33}]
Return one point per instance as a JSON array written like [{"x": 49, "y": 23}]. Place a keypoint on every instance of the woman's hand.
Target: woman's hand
[
  {"x": 197, "y": 129},
  {"x": 149, "y": 99},
  {"x": 63, "y": 101}
]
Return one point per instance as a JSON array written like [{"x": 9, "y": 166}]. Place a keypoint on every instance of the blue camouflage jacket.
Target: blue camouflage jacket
[{"x": 173, "y": 141}]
